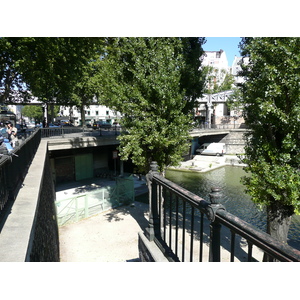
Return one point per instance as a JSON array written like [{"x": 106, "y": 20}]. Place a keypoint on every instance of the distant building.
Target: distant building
[
  {"x": 236, "y": 68},
  {"x": 93, "y": 113},
  {"x": 219, "y": 63}
]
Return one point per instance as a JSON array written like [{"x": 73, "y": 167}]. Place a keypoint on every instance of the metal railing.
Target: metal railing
[
  {"x": 55, "y": 132},
  {"x": 79, "y": 206},
  {"x": 188, "y": 228},
  {"x": 14, "y": 166},
  {"x": 228, "y": 126}
]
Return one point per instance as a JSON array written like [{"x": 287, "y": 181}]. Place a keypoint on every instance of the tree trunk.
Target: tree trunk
[
  {"x": 278, "y": 224},
  {"x": 82, "y": 115}
]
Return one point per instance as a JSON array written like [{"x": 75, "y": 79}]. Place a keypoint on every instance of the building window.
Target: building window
[
  {"x": 97, "y": 113},
  {"x": 107, "y": 112}
]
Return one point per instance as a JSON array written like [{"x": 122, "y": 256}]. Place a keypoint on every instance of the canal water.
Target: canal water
[{"x": 234, "y": 198}]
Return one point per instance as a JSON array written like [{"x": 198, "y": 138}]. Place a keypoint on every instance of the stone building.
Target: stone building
[{"x": 93, "y": 113}]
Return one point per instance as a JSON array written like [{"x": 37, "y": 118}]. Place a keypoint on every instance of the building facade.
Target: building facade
[
  {"x": 218, "y": 62},
  {"x": 236, "y": 68},
  {"x": 93, "y": 113}
]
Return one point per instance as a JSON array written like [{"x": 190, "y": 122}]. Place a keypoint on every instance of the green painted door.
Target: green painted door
[{"x": 84, "y": 166}]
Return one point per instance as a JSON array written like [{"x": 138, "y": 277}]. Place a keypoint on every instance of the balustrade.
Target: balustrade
[{"x": 187, "y": 228}]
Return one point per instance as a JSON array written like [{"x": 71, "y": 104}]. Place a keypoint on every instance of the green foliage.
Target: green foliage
[
  {"x": 212, "y": 85},
  {"x": 271, "y": 98},
  {"x": 10, "y": 77},
  {"x": 48, "y": 67},
  {"x": 227, "y": 84},
  {"x": 33, "y": 112},
  {"x": 147, "y": 82}
]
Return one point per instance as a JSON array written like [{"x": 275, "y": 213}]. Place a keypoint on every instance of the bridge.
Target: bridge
[{"x": 182, "y": 226}]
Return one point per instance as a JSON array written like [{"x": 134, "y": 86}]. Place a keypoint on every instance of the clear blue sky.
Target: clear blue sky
[{"x": 228, "y": 44}]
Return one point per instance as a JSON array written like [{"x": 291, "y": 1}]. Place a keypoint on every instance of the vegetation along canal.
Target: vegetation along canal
[{"x": 234, "y": 198}]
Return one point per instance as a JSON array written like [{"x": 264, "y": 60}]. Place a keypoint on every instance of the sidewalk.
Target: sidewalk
[{"x": 110, "y": 236}]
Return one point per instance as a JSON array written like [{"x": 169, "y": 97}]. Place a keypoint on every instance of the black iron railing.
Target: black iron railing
[
  {"x": 14, "y": 166},
  {"x": 188, "y": 228}
]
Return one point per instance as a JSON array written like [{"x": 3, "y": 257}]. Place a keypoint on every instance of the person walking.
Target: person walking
[{"x": 12, "y": 133}]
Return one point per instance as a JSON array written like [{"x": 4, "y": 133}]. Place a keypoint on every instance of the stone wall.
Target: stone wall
[
  {"x": 45, "y": 245},
  {"x": 234, "y": 141},
  {"x": 30, "y": 231}
]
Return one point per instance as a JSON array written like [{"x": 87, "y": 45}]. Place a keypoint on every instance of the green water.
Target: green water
[{"x": 234, "y": 198}]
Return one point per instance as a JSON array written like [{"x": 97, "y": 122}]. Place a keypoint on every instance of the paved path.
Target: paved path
[
  {"x": 108, "y": 237},
  {"x": 112, "y": 236}
]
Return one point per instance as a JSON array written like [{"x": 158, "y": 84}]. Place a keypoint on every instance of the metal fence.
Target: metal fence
[
  {"x": 229, "y": 126},
  {"x": 188, "y": 228},
  {"x": 14, "y": 166},
  {"x": 65, "y": 131},
  {"x": 84, "y": 205}
]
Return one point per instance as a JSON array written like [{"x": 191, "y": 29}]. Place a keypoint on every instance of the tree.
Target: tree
[
  {"x": 228, "y": 83},
  {"x": 11, "y": 79},
  {"x": 33, "y": 112},
  {"x": 271, "y": 99},
  {"x": 213, "y": 85},
  {"x": 87, "y": 88},
  {"x": 50, "y": 68},
  {"x": 148, "y": 83}
]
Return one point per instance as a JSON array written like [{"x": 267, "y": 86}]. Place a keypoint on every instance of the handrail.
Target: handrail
[
  {"x": 54, "y": 132},
  {"x": 259, "y": 238},
  {"x": 13, "y": 168},
  {"x": 216, "y": 215},
  {"x": 188, "y": 196}
]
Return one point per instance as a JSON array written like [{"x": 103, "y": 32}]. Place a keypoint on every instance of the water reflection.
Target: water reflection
[{"x": 234, "y": 198}]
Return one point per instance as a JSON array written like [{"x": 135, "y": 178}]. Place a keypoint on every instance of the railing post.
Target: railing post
[
  {"x": 215, "y": 227},
  {"x": 153, "y": 230}
]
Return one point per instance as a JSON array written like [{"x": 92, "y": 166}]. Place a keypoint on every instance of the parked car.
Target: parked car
[
  {"x": 30, "y": 125},
  {"x": 51, "y": 125},
  {"x": 101, "y": 124},
  {"x": 212, "y": 149},
  {"x": 67, "y": 125}
]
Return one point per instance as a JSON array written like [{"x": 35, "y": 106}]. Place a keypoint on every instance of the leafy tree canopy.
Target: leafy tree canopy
[
  {"x": 33, "y": 112},
  {"x": 147, "y": 80},
  {"x": 48, "y": 67},
  {"x": 271, "y": 99}
]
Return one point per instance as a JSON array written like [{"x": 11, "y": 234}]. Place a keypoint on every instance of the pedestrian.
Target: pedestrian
[{"x": 12, "y": 133}]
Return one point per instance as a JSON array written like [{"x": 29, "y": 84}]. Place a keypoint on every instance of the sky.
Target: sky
[{"x": 228, "y": 44}]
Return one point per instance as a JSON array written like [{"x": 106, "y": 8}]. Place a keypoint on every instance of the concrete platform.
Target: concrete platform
[
  {"x": 206, "y": 163},
  {"x": 111, "y": 236}
]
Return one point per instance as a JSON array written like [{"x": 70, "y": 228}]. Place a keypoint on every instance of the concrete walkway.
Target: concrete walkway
[
  {"x": 112, "y": 236},
  {"x": 205, "y": 163},
  {"x": 108, "y": 237}
]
